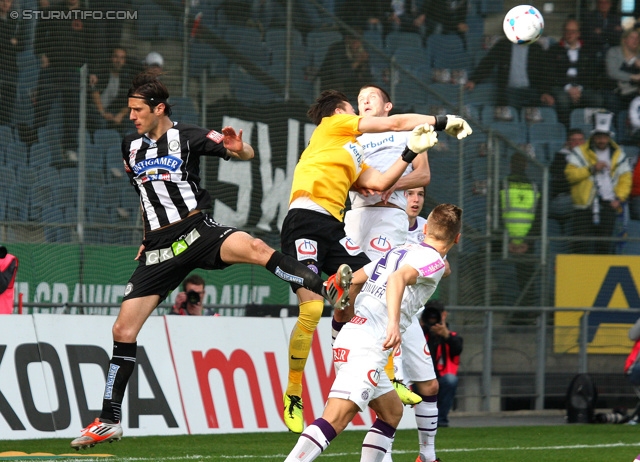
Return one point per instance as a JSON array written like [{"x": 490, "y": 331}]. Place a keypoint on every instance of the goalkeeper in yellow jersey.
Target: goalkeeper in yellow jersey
[{"x": 313, "y": 230}]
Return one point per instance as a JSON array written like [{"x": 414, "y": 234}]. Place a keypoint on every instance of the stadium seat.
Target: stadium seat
[
  {"x": 184, "y": 110},
  {"x": 582, "y": 118},
  {"x": 483, "y": 94},
  {"x": 114, "y": 164},
  {"x": 154, "y": 23},
  {"x": 488, "y": 115},
  {"x": 6, "y": 134},
  {"x": 299, "y": 87},
  {"x": 548, "y": 114},
  {"x": 394, "y": 40},
  {"x": 447, "y": 51},
  {"x": 41, "y": 153},
  {"x": 443, "y": 98},
  {"x": 104, "y": 138},
  {"x": 547, "y": 131},
  {"x": 202, "y": 56},
  {"x": 408, "y": 90},
  {"x": 52, "y": 217},
  {"x": 379, "y": 60}
]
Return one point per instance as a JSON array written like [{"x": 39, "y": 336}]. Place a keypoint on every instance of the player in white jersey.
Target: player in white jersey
[
  {"x": 395, "y": 288},
  {"x": 376, "y": 221},
  {"x": 415, "y": 202}
]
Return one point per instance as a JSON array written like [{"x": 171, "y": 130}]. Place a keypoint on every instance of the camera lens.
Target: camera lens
[{"x": 193, "y": 297}]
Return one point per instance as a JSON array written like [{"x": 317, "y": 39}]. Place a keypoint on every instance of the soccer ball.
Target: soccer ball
[{"x": 523, "y": 24}]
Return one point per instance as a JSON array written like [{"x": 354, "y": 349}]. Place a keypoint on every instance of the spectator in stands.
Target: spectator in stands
[
  {"x": 404, "y": 16},
  {"x": 634, "y": 198},
  {"x": 623, "y": 70},
  {"x": 600, "y": 178},
  {"x": 109, "y": 95},
  {"x": 561, "y": 204},
  {"x": 445, "y": 347},
  {"x": 632, "y": 364},
  {"x": 573, "y": 75},
  {"x": 63, "y": 45},
  {"x": 521, "y": 74},
  {"x": 364, "y": 14},
  {"x": 601, "y": 28},
  {"x": 266, "y": 14},
  {"x": 346, "y": 66},
  {"x": 8, "y": 271},
  {"x": 12, "y": 39},
  {"x": 519, "y": 209},
  {"x": 154, "y": 62},
  {"x": 445, "y": 17},
  {"x": 189, "y": 301}
]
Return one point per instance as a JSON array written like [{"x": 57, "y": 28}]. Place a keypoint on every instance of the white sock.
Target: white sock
[
  {"x": 377, "y": 441},
  {"x": 427, "y": 421},
  {"x": 387, "y": 456},
  {"x": 315, "y": 439}
]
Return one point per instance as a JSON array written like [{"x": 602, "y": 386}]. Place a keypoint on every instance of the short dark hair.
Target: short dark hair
[
  {"x": 326, "y": 104},
  {"x": 148, "y": 87},
  {"x": 194, "y": 279},
  {"x": 574, "y": 131},
  {"x": 385, "y": 96}
]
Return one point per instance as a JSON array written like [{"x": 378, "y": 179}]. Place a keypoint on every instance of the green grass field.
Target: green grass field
[{"x": 567, "y": 443}]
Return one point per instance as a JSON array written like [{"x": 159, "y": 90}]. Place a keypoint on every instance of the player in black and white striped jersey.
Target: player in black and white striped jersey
[{"x": 162, "y": 162}]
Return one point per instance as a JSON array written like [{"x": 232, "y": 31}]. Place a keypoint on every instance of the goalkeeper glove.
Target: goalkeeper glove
[
  {"x": 422, "y": 138},
  {"x": 453, "y": 125}
]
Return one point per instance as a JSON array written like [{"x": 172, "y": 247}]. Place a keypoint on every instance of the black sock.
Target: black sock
[
  {"x": 290, "y": 270},
  {"x": 121, "y": 367}
]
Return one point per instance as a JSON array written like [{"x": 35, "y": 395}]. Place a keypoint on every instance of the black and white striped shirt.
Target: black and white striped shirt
[{"x": 166, "y": 172}]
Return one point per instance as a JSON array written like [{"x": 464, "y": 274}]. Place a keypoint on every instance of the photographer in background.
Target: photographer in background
[
  {"x": 445, "y": 347},
  {"x": 189, "y": 301}
]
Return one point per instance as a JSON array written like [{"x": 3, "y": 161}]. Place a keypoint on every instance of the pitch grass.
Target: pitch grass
[{"x": 568, "y": 443}]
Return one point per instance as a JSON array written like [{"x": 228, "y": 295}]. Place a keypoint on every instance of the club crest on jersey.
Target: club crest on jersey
[
  {"x": 374, "y": 377},
  {"x": 174, "y": 146},
  {"x": 215, "y": 136},
  {"x": 306, "y": 249},
  {"x": 340, "y": 355},
  {"x": 350, "y": 246},
  {"x": 380, "y": 243}
]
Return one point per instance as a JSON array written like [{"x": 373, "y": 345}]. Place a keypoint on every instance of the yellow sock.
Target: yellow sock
[
  {"x": 389, "y": 368},
  {"x": 300, "y": 343}
]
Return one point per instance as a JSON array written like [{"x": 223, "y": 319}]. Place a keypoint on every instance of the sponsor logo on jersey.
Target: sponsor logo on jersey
[
  {"x": 358, "y": 320},
  {"x": 215, "y": 136},
  {"x": 399, "y": 352},
  {"x": 380, "y": 243},
  {"x": 426, "y": 350},
  {"x": 150, "y": 166},
  {"x": 350, "y": 246},
  {"x": 374, "y": 377},
  {"x": 431, "y": 268},
  {"x": 375, "y": 143},
  {"x": 340, "y": 355},
  {"x": 306, "y": 249},
  {"x": 357, "y": 154}
]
